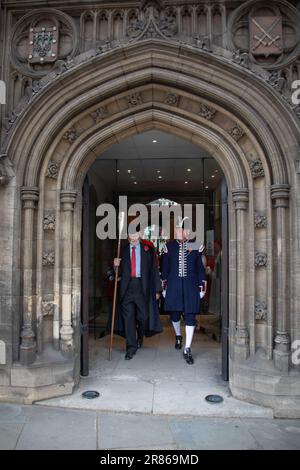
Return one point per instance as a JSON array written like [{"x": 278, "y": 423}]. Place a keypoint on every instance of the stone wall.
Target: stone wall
[{"x": 80, "y": 105}]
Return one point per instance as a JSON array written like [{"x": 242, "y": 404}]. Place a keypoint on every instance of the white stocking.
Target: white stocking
[
  {"x": 189, "y": 332},
  {"x": 176, "y": 326}
]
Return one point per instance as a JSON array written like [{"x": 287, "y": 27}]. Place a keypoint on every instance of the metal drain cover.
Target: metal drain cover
[
  {"x": 90, "y": 394},
  {"x": 214, "y": 398}
]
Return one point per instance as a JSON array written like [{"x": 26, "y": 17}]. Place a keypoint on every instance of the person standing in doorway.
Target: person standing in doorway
[
  {"x": 139, "y": 289},
  {"x": 184, "y": 284}
]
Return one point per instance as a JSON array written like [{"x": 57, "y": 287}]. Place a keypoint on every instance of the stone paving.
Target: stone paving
[
  {"x": 30, "y": 427},
  {"x": 158, "y": 381}
]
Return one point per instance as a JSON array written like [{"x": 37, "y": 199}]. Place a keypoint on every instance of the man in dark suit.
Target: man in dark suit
[{"x": 139, "y": 287}]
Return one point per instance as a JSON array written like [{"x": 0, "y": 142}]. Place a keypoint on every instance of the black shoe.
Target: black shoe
[
  {"x": 129, "y": 355},
  {"x": 139, "y": 342},
  {"x": 187, "y": 354},
  {"x": 178, "y": 342}
]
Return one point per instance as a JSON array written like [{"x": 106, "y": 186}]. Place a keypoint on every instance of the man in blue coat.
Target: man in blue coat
[{"x": 184, "y": 284}]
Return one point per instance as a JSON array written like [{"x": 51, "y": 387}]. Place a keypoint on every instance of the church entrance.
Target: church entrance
[{"x": 155, "y": 168}]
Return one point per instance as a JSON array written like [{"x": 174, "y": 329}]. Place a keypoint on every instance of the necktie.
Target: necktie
[{"x": 133, "y": 262}]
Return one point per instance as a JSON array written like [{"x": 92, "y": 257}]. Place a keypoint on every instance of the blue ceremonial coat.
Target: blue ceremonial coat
[{"x": 184, "y": 272}]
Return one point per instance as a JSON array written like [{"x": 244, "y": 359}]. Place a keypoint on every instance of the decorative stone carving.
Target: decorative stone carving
[
  {"x": 6, "y": 169},
  {"x": 266, "y": 36},
  {"x": 52, "y": 170},
  {"x": 241, "y": 59},
  {"x": 154, "y": 25},
  {"x": 134, "y": 100},
  {"x": 171, "y": 99},
  {"x": 99, "y": 114},
  {"x": 48, "y": 258},
  {"x": 47, "y": 308},
  {"x": 270, "y": 38},
  {"x": 257, "y": 169},
  {"x": 52, "y": 36},
  {"x": 43, "y": 44},
  {"x": 49, "y": 221},
  {"x": 207, "y": 112},
  {"x": 260, "y": 220},
  {"x": 203, "y": 43},
  {"x": 296, "y": 110},
  {"x": 261, "y": 310},
  {"x": 277, "y": 81},
  {"x": 71, "y": 135},
  {"x": 261, "y": 260},
  {"x": 237, "y": 132}
]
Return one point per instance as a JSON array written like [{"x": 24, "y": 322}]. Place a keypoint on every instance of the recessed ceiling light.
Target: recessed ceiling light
[
  {"x": 157, "y": 171},
  {"x": 213, "y": 176},
  {"x": 135, "y": 182},
  {"x": 186, "y": 182},
  {"x": 154, "y": 141},
  {"x": 129, "y": 171},
  {"x": 118, "y": 171},
  {"x": 188, "y": 169},
  {"x": 206, "y": 187},
  {"x": 160, "y": 177}
]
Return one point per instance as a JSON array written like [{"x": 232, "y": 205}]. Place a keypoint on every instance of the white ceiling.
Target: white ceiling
[{"x": 169, "y": 158}]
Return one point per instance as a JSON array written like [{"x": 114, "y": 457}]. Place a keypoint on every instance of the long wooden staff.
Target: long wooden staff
[{"x": 121, "y": 225}]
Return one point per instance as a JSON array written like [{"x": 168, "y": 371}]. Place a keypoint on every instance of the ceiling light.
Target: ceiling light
[
  {"x": 206, "y": 187},
  {"x": 154, "y": 141},
  {"x": 135, "y": 182},
  {"x": 186, "y": 182},
  {"x": 157, "y": 171},
  {"x": 118, "y": 171},
  {"x": 160, "y": 177},
  {"x": 188, "y": 169},
  {"x": 213, "y": 176},
  {"x": 129, "y": 171}
]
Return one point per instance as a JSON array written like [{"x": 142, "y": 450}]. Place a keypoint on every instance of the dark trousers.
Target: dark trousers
[
  {"x": 134, "y": 313},
  {"x": 189, "y": 318}
]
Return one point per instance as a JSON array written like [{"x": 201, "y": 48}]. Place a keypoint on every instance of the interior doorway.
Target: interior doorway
[{"x": 155, "y": 167}]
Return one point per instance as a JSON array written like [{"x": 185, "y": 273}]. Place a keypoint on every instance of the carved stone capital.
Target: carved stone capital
[
  {"x": 280, "y": 194},
  {"x": 29, "y": 197},
  {"x": 240, "y": 198},
  {"x": 68, "y": 199}
]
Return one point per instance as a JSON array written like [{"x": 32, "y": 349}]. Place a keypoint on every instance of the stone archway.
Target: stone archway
[{"x": 225, "y": 109}]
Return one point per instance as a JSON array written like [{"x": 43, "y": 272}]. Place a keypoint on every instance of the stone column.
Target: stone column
[
  {"x": 280, "y": 197},
  {"x": 240, "y": 199},
  {"x": 29, "y": 197},
  {"x": 67, "y": 199}
]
